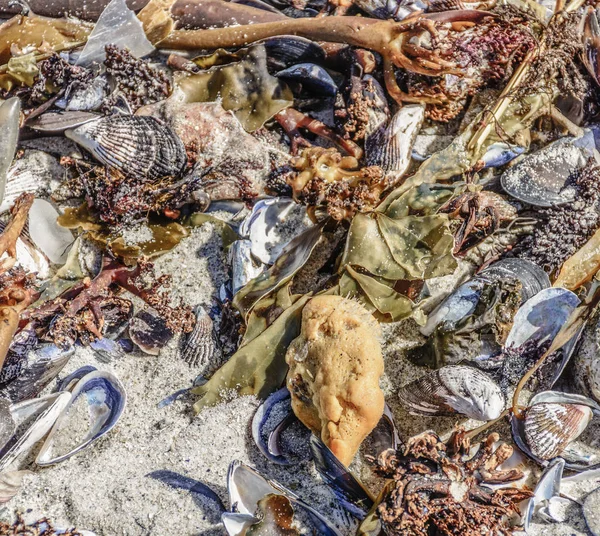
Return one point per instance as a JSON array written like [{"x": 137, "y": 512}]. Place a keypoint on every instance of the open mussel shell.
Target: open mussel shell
[
  {"x": 96, "y": 404},
  {"x": 463, "y": 301},
  {"x": 247, "y": 488},
  {"x": 57, "y": 123},
  {"x": 138, "y": 146},
  {"x": 454, "y": 389},
  {"x": 351, "y": 494},
  {"x": 34, "y": 371},
  {"x": 541, "y": 317},
  {"x": 33, "y": 419},
  {"x": 552, "y": 421},
  {"x": 540, "y": 179},
  {"x": 281, "y": 401},
  {"x": 271, "y": 224},
  {"x": 533, "y": 278}
]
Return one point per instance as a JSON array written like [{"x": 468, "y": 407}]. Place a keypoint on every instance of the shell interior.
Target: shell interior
[{"x": 97, "y": 403}]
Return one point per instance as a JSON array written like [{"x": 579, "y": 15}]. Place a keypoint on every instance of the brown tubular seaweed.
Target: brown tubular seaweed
[{"x": 387, "y": 37}]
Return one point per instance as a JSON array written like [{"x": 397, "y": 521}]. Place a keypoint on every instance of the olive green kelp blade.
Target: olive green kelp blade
[{"x": 259, "y": 367}]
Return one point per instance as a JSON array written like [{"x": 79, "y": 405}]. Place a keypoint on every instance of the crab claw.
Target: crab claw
[{"x": 591, "y": 42}]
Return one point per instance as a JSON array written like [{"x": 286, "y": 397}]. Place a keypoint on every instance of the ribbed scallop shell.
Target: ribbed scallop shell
[
  {"x": 454, "y": 389},
  {"x": 390, "y": 147},
  {"x": 550, "y": 427},
  {"x": 140, "y": 147},
  {"x": 199, "y": 348}
]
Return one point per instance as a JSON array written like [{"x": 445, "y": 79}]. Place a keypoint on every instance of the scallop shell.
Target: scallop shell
[
  {"x": 550, "y": 427},
  {"x": 390, "y": 147},
  {"x": 200, "y": 347},
  {"x": 141, "y": 147},
  {"x": 454, "y": 389}
]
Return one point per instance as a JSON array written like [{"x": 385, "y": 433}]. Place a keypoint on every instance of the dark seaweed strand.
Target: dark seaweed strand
[{"x": 562, "y": 230}]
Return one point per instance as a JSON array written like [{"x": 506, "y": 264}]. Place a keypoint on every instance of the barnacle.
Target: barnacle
[
  {"x": 135, "y": 79},
  {"x": 563, "y": 229},
  {"x": 439, "y": 490},
  {"x": 324, "y": 177}
]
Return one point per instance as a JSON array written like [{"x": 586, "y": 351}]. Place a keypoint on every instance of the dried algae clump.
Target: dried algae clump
[{"x": 335, "y": 366}]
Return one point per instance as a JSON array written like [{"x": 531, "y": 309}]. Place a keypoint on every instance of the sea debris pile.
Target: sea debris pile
[{"x": 432, "y": 165}]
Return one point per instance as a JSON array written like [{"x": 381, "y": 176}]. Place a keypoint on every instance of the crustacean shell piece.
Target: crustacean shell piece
[
  {"x": 454, "y": 389},
  {"x": 138, "y": 146},
  {"x": 549, "y": 427}
]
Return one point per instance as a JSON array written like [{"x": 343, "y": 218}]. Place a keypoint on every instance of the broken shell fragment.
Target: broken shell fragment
[
  {"x": 138, "y": 146},
  {"x": 454, "y": 389},
  {"x": 335, "y": 366},
  {"x": 10, "y": 115},
  {"x": 149, "y": 331},
  {"x": 96, "y": 404}
]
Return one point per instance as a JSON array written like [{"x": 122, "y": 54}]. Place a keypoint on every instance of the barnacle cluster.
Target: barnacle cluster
[
  {"x": 563, "y": 229},
  {"x": 138, "y": 81},
  {"x": 324, "y": 177},
  {"x": 438, "y": 489}
]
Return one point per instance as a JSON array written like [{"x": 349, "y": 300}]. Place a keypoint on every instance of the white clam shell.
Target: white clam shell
[{"x": 52, "y": 239}]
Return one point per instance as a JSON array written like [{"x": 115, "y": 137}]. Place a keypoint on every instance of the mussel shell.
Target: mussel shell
[
  {"x": 41, "y": 366},
  {"x": 57, "y": 123},
  {"x": 540, "y": 178},
  {"x": 454, "y": 389},
  {"x": 7, "y": 424},
  {"x": 69, "y": 382},
  {"x": 547, "y": 487},
  {"x": 105, "y": 398},
  {"x": 287, "y": 50},
  {"x": 141, "y": 147},
  {"x": 247, "y": 488},
  {"x": 33, "y": 418},
  {"x": 353, "y": 496},
  {"x": 269, "y": 224},
  {"x": 281, "y": 396},
  {"x": 313, "y": 78},
  {"x": 541, "y": 317},
  {"x": 533, "y": 278}
]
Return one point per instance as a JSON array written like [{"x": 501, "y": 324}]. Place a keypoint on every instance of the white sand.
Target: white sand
[{"x": 106, "y": 488}]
